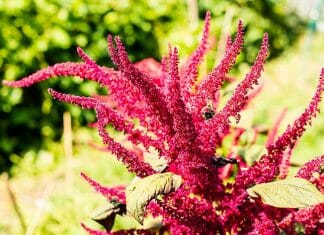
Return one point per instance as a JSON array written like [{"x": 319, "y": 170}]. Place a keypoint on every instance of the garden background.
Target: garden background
[{"x": 41, "y": 191}]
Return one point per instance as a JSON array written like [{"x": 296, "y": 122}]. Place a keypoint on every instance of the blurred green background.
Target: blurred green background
[{"x": 36, "y": 33}]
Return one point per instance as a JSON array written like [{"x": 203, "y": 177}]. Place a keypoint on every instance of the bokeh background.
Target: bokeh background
[{"x": 40, "y": 188}]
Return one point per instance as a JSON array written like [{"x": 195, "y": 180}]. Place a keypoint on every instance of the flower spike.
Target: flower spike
[
  {"x": 195, "y": 60},
  {"x": 185, "y": 132},
  {"x": 213, "y": 82},
  {"x": 268, "y": 166},
  {"x": 293, "y": 133},
  {"x": 111, "y": 193},
  {"x": 154, "y": 97},
  {"x": 130, "y": 159},
  {"x": 240, "y": 96},
  {"x": 84, "y": 102},
  {"x": 239, "y": 99},
  {"x": 62, "y": 69}
]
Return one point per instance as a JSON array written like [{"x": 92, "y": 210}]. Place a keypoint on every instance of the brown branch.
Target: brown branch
[{"x": 68, "y": 147}]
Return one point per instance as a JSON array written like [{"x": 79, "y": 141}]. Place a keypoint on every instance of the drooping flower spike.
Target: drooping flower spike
[{"x": 110, "y": 193}]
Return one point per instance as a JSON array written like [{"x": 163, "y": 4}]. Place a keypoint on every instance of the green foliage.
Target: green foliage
[
  {"x": 141, "y": 191},
  {"x": 282, "y": 25},
  {"x": 288, "y": 193},
  {"x": 37, "y": 33},
  {"x": 68, "y": 202}
]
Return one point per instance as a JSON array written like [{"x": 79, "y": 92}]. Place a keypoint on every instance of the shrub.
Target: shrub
[
  {"x": 170, "y": 121},
  {"x": 36, "y": 33}
]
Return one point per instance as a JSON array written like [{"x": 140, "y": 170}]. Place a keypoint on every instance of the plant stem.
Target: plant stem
[{"x": 15, "y": 204}]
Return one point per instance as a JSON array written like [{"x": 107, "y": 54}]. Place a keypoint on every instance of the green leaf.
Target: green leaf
[
  {"x": 141, "y": 191},
  {"x": 106, "y": 215},
  {"x": 288, "y": 193},
  {"x": 159, "y": 164}
]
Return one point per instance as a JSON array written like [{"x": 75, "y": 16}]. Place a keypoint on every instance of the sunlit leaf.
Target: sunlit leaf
[
  {"x": 288, "y": 193},
  {"x": 159, "y": 164},
  {"x": 141, "y": 191},
  {"x": 106, "y": 215}
]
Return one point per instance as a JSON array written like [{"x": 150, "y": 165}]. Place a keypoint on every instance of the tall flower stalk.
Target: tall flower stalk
[{"x": 189, "y": 192}]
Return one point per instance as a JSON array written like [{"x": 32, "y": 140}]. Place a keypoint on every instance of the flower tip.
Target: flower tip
[
  {"x": 109, "y": 38},
  {"x": 208, "y": 15},
  {"x": 14, "y": 83},
  {"x": 53, "y": 93},
  {"x": 6, "y": 83},
  {"x": 266, "y": 38},
  {"x": 265, "y": 41},
  {"x": 175, "y": 50},
  {"x": 86, "y": 228},
  {"x": 83, "y": 175},
  {"x": 86, "y": 178},
  {"x": 83, "y": 55},
  {"x": 240, "y": 27},
  {"x": 79, "y": 50},
  {"x": 118, "y": 40},
  {"x": 321, "y": 79}
]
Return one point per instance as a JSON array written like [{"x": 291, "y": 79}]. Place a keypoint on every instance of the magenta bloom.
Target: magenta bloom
[{"x": 178, "y": 118}]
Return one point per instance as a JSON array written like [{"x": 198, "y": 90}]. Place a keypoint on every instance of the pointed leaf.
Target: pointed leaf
[
  {"x": 106, "y": 215},
  {"x": 141, "y": 191},
  {"x": 159, "y": 164},
  {"x": 288, "y": 193}
]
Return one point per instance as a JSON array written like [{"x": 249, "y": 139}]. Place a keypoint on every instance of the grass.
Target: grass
[{"x": 59, "y": 199}]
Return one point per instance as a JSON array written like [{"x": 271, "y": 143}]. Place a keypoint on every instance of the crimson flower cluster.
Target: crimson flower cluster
[{"x": 178, "y": 118}]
